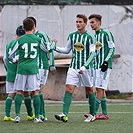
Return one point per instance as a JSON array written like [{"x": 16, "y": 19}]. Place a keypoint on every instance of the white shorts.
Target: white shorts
[
  {"x": 27, "y": 82},
  {"x": 10, "y": 87},
  {"x": 101, "y": 79},
  {"x": 74, "y": 78},
  {"x": 43, "y": 73}
]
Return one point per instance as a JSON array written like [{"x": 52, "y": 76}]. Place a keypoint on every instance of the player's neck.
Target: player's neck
[
  {"x": 98, "y": 28},
  {"x": 81, "y": 31},
  {"x": 29, "y": 32}
]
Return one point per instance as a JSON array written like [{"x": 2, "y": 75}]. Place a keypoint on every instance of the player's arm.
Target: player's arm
[
  {"x": 64, "y": 50},
  {"x": 51, "y": 56},
  {"x": 52, "y": 63},
  {"x": 4, "y": 61},
  {"x": 44, "y": 46},
  {"x": 91, "y": 57},
  {"x": 12, "y": 54},
  {"x": 110, "y": 54},
  {"x": 111, "y": 51}
]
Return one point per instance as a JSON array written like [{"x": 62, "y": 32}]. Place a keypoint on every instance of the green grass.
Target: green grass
[{"x": 121, "y": 118}]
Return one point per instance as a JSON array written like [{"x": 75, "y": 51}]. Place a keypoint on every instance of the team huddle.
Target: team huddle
[{"x": 30, "y": 57}]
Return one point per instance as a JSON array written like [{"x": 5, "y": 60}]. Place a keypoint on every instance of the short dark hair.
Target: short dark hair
[
  {"x": 96, "y": 16},
  {"x": 33, "y": 19},
  {"x": 28, "y": 24},
  {"x": 20, "y": 31},
  {"x": 84, "y": 17}
]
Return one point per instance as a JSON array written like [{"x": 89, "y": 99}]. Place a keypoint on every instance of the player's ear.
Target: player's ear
[{"x": 34, "y": 28}]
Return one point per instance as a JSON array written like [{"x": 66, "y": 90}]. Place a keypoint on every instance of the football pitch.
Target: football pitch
[{"x": 121, "y": 120}]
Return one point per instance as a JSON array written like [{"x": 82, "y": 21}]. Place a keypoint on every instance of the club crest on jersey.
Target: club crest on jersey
[
  {"x": 78, "y": 46},
  {"x": 98, "y": 45}
]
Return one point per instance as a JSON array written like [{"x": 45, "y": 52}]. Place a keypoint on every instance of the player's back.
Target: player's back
[
  {"x": 11, "y": 67},
  {"x": 28, "y": 49},
  {"x": 43, "y": 57}
]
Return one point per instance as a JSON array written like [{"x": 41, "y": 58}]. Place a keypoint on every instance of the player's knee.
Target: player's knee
[{"x": 70, "y": 88}]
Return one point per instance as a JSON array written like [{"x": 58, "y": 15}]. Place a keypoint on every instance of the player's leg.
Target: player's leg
[
  {"x": 72, "y": 81},
  {"x": 43, "y": 78},
  {"x": 36, "y": 105},
  {"x": 34, "y": 88},
  {"x": 28, "y": 104},
  {"x": 19, "y": 85},
  {"x": 18, "y": 102},
  {"x": 90, "y": 117},
  {"x": 8, "y": 103},
  {"x": 66, "y": 103},
  {"x": 102, "y": 80},
  {"x": 104, "y": 114},
  {"x": 87, "y": 80},
  {"x": 99, "y": 95}
]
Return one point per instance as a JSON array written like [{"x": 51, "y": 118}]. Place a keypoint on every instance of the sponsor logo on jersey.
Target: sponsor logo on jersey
[
  {"x": 78, "y": 46},
  {"x": 98, "y": 45}
]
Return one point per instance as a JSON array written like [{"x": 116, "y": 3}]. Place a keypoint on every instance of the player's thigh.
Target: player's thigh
[
  {"x": 102, "y": 78},
  {"x": 43, "y": 74},
  {"x": 72, "y": 77},
  {"x": 86, "y": 78},
  {"x": 33, "y": 82},
  {"x": 10, "y": 87},
  {"x": 20, "y": 82}
]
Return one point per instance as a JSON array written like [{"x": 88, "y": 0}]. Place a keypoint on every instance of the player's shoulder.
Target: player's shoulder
[
  {"x": 40, "y": 33},
  {"x": 89, "y": 33},
  {"x": 73, "y": 33},
  {"x": 106, "y": 31},
  {"x": 11, "y": 43}
]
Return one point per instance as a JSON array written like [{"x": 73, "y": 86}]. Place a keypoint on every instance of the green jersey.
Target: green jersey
[
  {"x": 82, "y": 46},
  {"x": 11, "y": 67},
  {"x": 28, "y": 47},
  {"x": 106, "y": 52},
  {"x": 44, "y": 57}
]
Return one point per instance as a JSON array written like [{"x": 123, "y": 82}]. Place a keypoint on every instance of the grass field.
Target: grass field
[{"x": 121, "y": 120}]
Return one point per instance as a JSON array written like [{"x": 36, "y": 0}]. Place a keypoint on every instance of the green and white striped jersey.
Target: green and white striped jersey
[
  {"x": 82, "y": 45},
  {"x": 44, "y": 57},
  {"x": 81, "y": 48},
  {"x": 11, "y": 67},
  {"x": 106, "y": 52}
]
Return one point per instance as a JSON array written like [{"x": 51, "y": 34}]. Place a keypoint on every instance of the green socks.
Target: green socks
[
  {"x": 42, "y": 105},
  {"x": 8, "y": 105},
  {"x": 66, "y": 102},
  {"x": 91, "y": 101},
  {"x": 104, "y": 106},
  {"x": 27, "y": 101},
  {"x": 18, "y": 102},
  {"x": 36, "y": 104},
  {"x": 97, "y": 102}
]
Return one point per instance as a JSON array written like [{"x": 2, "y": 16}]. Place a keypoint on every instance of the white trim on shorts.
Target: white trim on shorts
[
  {"x": 101, "y": 79},
  {"x": 74, "y": 78},
  {"x": 27, "y": 82},
  {"x": 10, "y": 87}
]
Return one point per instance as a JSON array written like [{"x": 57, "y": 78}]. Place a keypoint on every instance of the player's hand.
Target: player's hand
[
  {"x": 82, "y": 69},
  {"x": 104, "y": 66},
  {"x": 54, "y": 39},
  {"x": 53, "y": 71},
  {"x": 80, "y": 72}
]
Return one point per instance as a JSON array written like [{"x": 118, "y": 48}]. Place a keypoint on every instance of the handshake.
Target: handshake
[{"x": 52, "y": 44}]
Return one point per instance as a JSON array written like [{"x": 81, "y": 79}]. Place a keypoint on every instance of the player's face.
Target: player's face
[
  {"x": 95, "y": 24},
  {"x": 80, "y": 24}
]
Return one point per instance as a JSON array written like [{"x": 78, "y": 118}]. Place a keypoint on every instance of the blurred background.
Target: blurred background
[{"x": 57, "y": 19}]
